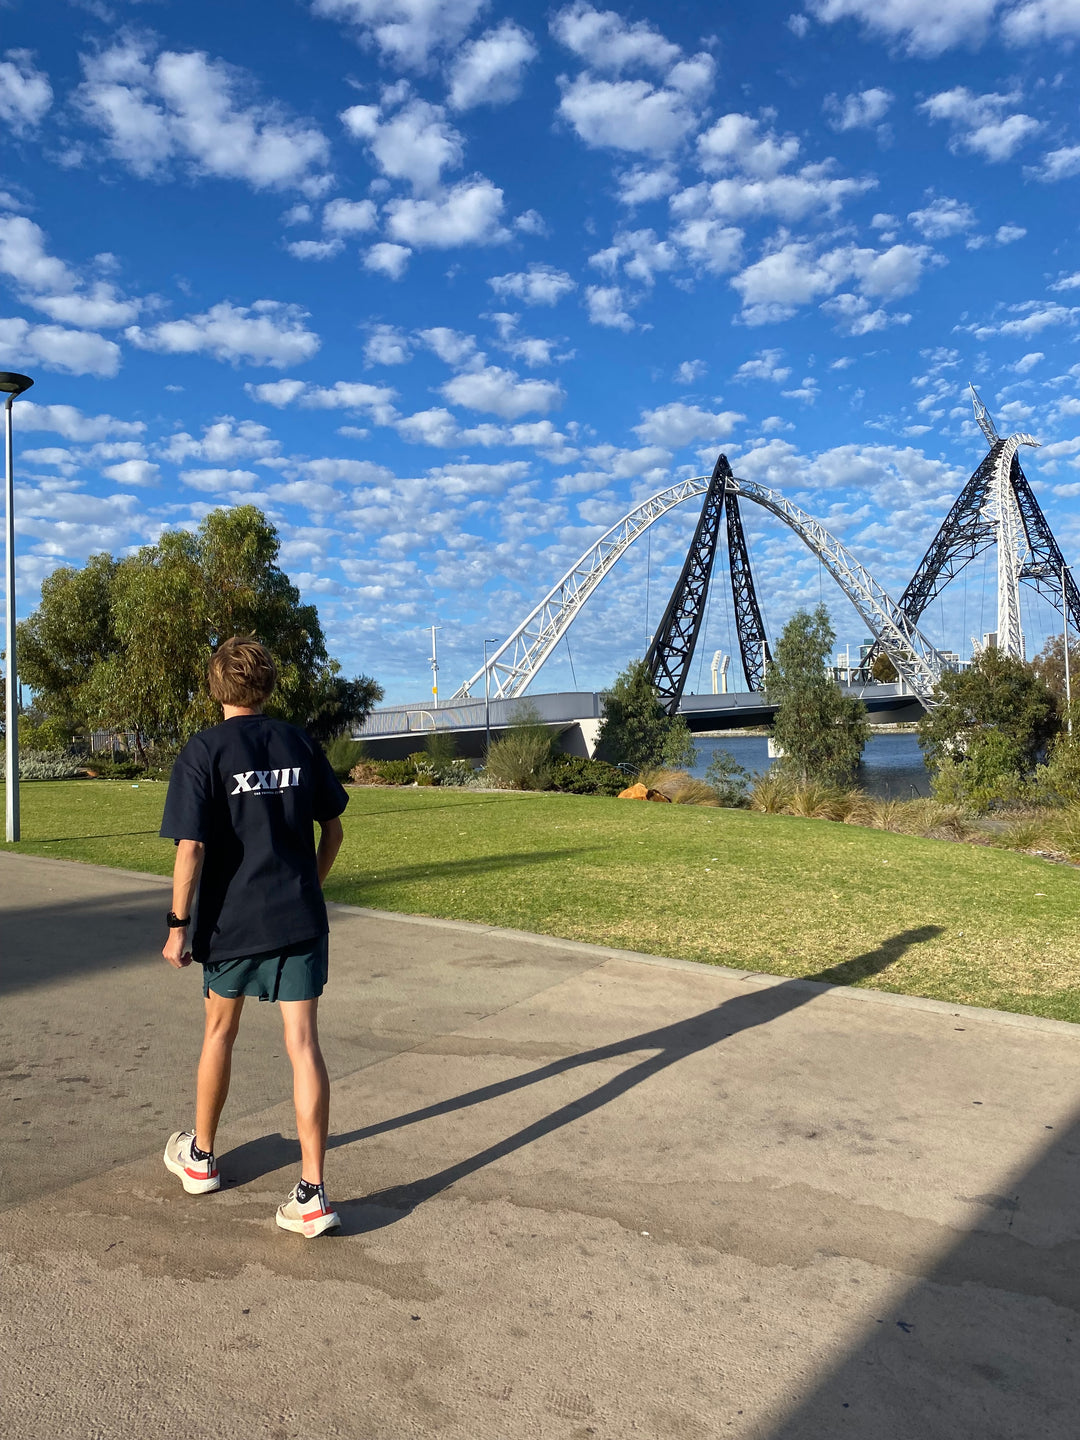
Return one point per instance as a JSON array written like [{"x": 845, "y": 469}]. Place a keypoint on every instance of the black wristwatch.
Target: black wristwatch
[{"x": 174, "y": 921}]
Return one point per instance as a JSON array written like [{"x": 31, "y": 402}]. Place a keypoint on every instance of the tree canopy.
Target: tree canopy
[
  {"x": 637, "y": 730},
  {"x": 820, "y": 730},
  {"x": 125, "y": 643},
  {"x": 999, "y": 710}
]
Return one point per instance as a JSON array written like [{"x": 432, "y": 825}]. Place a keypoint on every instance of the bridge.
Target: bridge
[{"x": 997, "y": 508}]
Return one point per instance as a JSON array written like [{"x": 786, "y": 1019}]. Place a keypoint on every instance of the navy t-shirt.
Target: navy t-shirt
[{"x": 250, "y": 789}]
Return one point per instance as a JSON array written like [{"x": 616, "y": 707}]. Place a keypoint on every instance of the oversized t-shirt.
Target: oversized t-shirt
[{"x": 250, "y": 789}]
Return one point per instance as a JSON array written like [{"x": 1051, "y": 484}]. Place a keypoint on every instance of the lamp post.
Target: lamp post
[
  {"x": 11, "y": 385},
  {"x": 487, "y": 699},
  {"x": 1065, "y": 636},
  {"x": 434, "y": 668}
]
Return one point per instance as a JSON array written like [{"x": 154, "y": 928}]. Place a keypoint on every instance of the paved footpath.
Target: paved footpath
[{"x": 584, "y": 1194}]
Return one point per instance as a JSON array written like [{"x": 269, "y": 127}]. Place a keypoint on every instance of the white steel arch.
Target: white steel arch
[
  {"x": 512, "y": 667},
  {"x": 520, "y": 656},
  {"x": 1012, "y": 546}
]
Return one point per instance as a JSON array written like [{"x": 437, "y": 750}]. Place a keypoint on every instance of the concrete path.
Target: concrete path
[{"x": 584, "y": 1193}]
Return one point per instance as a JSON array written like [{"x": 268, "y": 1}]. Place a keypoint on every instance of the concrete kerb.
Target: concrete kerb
[{"x": 602, "y": 953}]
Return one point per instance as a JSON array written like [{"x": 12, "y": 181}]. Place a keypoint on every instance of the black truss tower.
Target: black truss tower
[
  {"x": 748, "y": 622},
  {"x": 966, "y": 532},
  {"x": 672, "y": 648}
]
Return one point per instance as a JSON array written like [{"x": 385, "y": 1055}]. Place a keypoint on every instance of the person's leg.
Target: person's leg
[
  {"x": 215, "y": 1065},
  {"x": 311, "y": 1084}
]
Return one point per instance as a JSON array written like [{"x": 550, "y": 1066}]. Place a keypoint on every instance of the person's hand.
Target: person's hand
[{"x": 175, "y": 949}]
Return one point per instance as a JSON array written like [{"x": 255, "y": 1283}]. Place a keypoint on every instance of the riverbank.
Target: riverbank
[{"x": 763, "y": 892}]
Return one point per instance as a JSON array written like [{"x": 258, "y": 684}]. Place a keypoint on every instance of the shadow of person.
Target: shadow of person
[
  {"x": 670, "y": 1043},
  {"x": 258, "y": 1157}
]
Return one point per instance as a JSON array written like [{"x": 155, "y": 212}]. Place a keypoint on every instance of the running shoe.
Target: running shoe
[
  {"x": 198, "y": 1177},
  {"x": 310, "y": 1218}
]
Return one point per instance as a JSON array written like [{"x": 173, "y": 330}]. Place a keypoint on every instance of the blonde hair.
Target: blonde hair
[{"x": 242, "y": 672}]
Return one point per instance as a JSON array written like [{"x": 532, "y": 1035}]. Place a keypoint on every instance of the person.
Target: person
[{"x": 242, "y": 803}]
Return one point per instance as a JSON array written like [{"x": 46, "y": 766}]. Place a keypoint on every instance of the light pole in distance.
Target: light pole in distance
[
  {"x": 487, "y": 700},
  {"x": 11, "y": 385},
  {"x": 1065, "y": 636}
]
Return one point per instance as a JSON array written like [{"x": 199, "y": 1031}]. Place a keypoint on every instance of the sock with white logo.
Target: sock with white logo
[
  {"x": 306, "y": 1191},
  {"x": 197, "y": 1154}
]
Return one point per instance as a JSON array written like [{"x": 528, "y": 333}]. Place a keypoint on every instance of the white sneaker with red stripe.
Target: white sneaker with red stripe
[
  {"x": 198, "y": 1177},
  {"x": 309, "y": 1217}
]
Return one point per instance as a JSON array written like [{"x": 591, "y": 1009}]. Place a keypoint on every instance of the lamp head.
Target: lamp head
[{"x": 12, "y": 383}]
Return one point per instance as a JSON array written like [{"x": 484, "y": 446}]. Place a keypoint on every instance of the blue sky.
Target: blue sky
[{"x": 446, "y": 287}]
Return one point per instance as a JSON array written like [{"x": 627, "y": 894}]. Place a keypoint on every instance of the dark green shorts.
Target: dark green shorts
[{"x": 296, "y": 973}]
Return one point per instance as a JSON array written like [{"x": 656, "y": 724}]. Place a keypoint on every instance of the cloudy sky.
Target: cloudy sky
[{"x": 447, "y": 286}]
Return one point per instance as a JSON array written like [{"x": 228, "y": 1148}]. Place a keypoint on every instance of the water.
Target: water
[{"x": 892, "y": 765}]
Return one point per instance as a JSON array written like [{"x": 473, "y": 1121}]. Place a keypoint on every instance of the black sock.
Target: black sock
[
  {"x": 306, "y": 1191},
  {"x": 197, "y": 1154}
]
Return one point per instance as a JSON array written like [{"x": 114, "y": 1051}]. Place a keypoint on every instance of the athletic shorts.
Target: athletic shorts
[{"x": 296, "y": 973}]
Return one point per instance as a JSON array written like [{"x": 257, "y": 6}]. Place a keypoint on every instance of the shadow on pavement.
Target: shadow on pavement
[
  {"x": 671, "y": 1043},
  {"x": 68, "y": 939}
]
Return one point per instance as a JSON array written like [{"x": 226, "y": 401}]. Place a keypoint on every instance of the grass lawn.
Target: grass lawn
[{"x": 764, "y": 892}]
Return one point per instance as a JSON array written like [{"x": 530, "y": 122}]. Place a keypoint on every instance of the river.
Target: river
[{"x": 892, "y": 764}]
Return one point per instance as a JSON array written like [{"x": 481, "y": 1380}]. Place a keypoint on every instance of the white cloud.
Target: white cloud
[
  {"x": 640, "y": 253},
  {"x": 315, "y": 249},
  {"x": 690, "y": 371},
  {"x": 133, "y": 472},
  {"x": 265, "y": 333},
  {"x": 528, "y": 348},
  {"x": 606, "y": 305},
  {"x": 1038, "y": 20},
  {"x": 25, "y": 92},
  {"x": 76, "y": 352},
  {"x": 1068, "y": 282},
  {"x": 631, "y": 115},
  {"x": 980, "y": 123},
  {"x": 387, "y": 259},
  {"x": 342, "y": 395},
  {"x": 539, "y": 285},
  {"x": 220, "y": 482},
  {"x": 349, "y": 217},
  {"x": 774, "y": 287},
  {"x": 154, "y": 109},
  {"x": 223, "y": 441},
  {"x": 764, "y": 366},
  {"x": 49, "y": 285},
  {"x": 451, "y": 346},
  {"x": 736, "y": 141},
  {"x": 300, "y": 214},
  {"x": 604, "y": 40},
  {"x": 70, "y": 422},
  {"x": 856, "y": 316},
  {"x": 417, "y": 144},
  {"x": 858, "y": 111},
  {"x": 926, "y": 27},
  {"x": 676, "y": 425},
  {"x": 489, "y": 71},
  {"x": 943, "y": 217},
  {"x": 467, "y": 480},
  {"x": 500, "y": 392},
  {"x": 466, "y": 215},
  {"x": 437, "y": 427},
  {"x": 406, "y": 32},
  {"x": 1009, "y": 234},
  {"x": 714, "y": 246},
  {"x": 387, "y": 346},
  {"x": 1057, "y": 165},
  {"x": 643, "y": 183},
  {"x": 1032, "y": 317},
  {"x": 1028, "y": 362}
]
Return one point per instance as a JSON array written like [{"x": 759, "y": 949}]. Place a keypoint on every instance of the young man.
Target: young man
[{"x": 243, "y": 799}]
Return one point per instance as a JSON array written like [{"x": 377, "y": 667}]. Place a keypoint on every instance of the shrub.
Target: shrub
[
  {"x": 45, "y": 765},
  {"x": 1064, "y": 833},
  {"x": 770, "y": 793},
  {"x": 814, "y": 802},
  {"x": 113, "y": 767},
  {"x": 458, "y": 772},
  {"x": 728, "y": 779},
  {"x": 396, "y": 772},
  {"x": 344, "y": 755},
  {"x": 366, "y": 773},
  {"x": 694, "y": 792},
  {"x": 575, "y": 775},
  {"x": 49, "y": 736},
  {"x": 664, "y": 779},
  {"x": 890, "y": 815},
  {"x": 935, "y": 820},
  {"x": 520, "y": 759},
  {"x": 1019, "y": 835},
  {"x": 1058, "y": 781},
  {"x": 637, "y": 730}
]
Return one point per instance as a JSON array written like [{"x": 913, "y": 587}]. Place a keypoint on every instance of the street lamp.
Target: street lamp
[
  {"x": 1065, "y": 636},
  {"x": 11, "y": 385},
  {"x": 487, "y": 699}
]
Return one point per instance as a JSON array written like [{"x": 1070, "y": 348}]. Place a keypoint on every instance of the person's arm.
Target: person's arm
[
  {"x": 186, "y": 871},
  {"x": 331, "y": 834}
]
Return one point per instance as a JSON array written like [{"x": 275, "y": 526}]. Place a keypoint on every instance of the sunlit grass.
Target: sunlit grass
[{"x": 762, "y": 892}]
